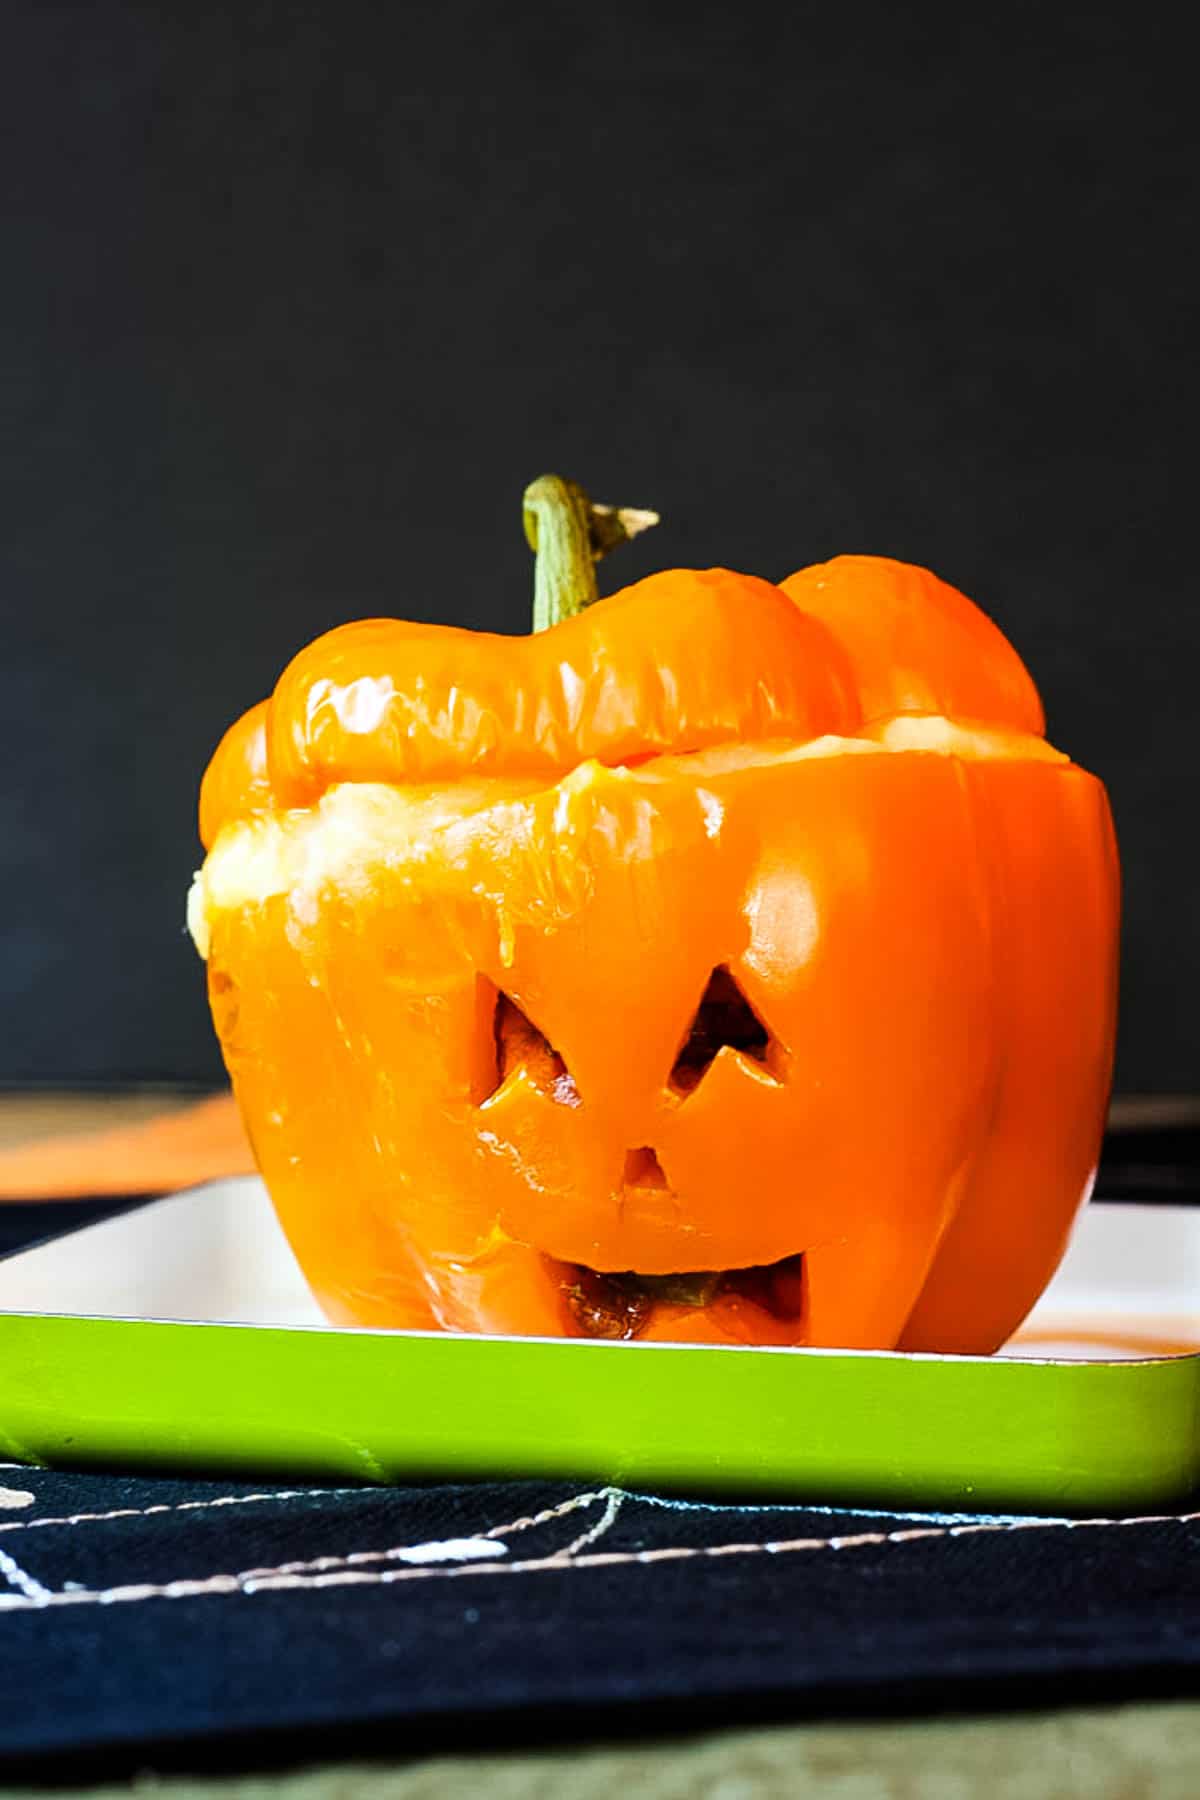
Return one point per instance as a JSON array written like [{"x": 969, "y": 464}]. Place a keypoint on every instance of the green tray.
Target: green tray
[{"x": 182, "y": 1391}]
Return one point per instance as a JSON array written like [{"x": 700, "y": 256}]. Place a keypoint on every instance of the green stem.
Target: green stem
[{"x": 569, "y": 534}]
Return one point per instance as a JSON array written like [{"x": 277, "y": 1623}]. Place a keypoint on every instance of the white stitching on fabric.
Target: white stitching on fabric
[
  {"x": 265, "y": 1580},
  {"x": 925, "y": 1517},
  {"x": 550, "y": 1513},
  {"x": 457, "y": 1549},
  {"x": 26, "y": 1585},
  {"x": 147, "y": 1512},
  {"x": 474, "y": 1549},
  {"x": 540, "y": 1518},
  {"x": 614, "y": 1500}
]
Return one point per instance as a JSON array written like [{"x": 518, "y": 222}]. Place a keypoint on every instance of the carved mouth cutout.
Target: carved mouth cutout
[{"x": 622, "y": 1305}]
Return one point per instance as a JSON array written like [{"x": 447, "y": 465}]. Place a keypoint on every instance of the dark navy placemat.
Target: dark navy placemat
[{"x": 139, "y": 1616}]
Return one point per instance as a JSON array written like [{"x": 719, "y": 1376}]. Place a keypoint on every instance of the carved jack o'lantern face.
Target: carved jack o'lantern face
[{"x": 725, "y": 991}]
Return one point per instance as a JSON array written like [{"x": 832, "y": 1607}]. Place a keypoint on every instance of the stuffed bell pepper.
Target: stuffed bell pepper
[{"x": 724, "y": 962}]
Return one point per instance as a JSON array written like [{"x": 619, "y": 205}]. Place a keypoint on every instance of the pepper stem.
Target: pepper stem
[{"x": 568, "y": 534}]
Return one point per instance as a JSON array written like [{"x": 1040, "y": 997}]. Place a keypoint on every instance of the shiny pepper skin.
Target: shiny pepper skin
[{"x": 728, "y": 963}]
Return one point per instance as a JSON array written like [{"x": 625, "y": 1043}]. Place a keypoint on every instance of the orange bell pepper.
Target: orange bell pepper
[{"x": 723, "y": 962}]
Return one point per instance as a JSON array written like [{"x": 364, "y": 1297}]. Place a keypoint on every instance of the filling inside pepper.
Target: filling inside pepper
[
  {"x": 357, "y": 826},
  {"x": 621, "y": 1305}
]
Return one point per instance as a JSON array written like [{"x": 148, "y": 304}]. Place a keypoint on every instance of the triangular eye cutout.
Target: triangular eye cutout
[
  {"x": 723, "y": 1017},
  {"x": 519, "y": 1044}
]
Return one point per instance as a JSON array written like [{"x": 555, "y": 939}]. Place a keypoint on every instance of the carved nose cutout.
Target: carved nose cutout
[
  {"x": 519, "y": 1044},
  {"x": 643, "y": 1169},
  {"x": 723, "y": 1018}
]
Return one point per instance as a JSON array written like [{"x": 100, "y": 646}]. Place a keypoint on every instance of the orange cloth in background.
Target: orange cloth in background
[{"x": 176, "y": 1149}]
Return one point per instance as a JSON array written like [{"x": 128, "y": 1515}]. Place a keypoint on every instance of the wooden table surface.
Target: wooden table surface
[
  {"x": 29, "y": 1114},
  {"x": 1147, "y": 1751}
]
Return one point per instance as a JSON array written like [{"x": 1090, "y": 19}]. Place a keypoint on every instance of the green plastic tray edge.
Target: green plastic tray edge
[{"x": 954, "y": 1432}]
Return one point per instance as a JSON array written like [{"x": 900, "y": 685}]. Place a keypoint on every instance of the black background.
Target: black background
[{"x": 294, "y": 299}]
